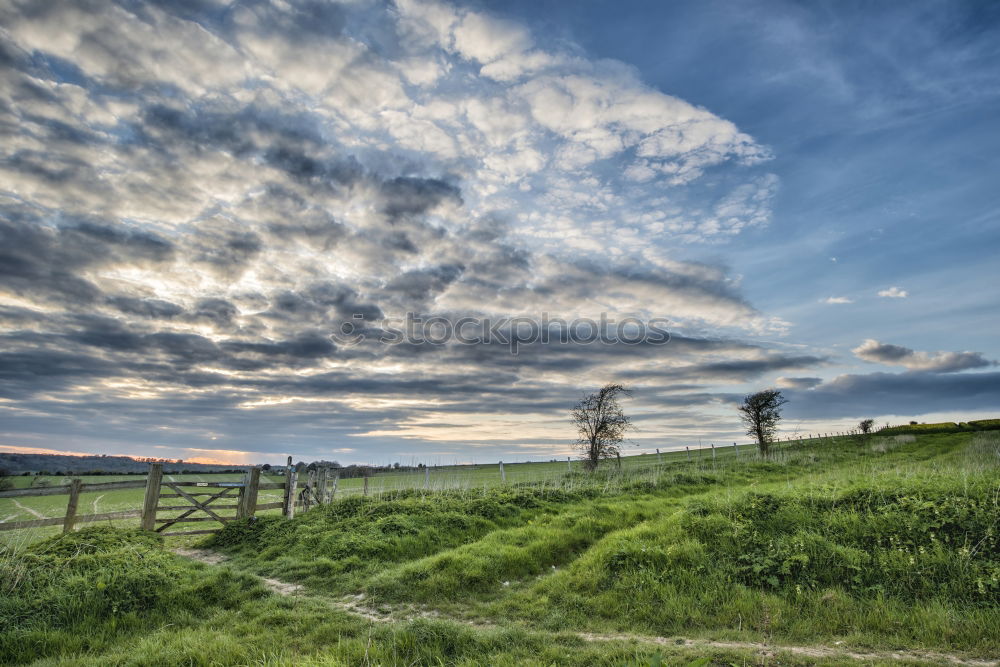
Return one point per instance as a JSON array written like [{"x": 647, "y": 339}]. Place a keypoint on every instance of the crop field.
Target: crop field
[{"x": 883, "y": 550}]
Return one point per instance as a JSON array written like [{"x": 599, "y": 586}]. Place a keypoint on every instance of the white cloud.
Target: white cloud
[
  {"x": 837, "y": 299},
  {"x": 584, "y": 116},
  {"x": 894, "y": 293},
  {"x": 485, "y": 39},
  {"x": 798, "y": 382}
]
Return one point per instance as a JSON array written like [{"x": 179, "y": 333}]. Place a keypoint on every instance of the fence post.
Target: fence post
[
  {"x": 366, "y": 485},
  {"x": 152, "y": 498},
  {"x": 291, "y": 486},
  {"x": 427, "y": 477},
  {"x": 288, "y": 486},
  {"x": 321, "y": 484},
  {"x": 336, "y": 483},
  {"x": 241, "y": 495},
  {"x": 503, "y": 475},
  {"x": 736, "y": 451},
  {"x": 310, "y": 496},
  {"x": 569, "y": 465},
  {"x": 713, "y": 453},
  {"x": 248, "y": 500},
  {"x": 659, "y": 459},
  {"x": 74, "y": 499},
  {"x": 688, "y": 450}
]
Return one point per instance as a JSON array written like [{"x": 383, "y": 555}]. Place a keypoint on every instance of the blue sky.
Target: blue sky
[{"x": 196, "y": 195}]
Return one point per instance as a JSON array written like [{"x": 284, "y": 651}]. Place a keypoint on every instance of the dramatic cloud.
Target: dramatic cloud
[
  {"x": 940, "y": 362},
  {"x": 894, "y": 293},
  {"x": 199, "y": 199},
  {"x": 196, "y": 197}
]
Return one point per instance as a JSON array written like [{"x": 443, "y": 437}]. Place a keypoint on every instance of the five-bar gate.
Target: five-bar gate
[{"x": 207, "y": 501}]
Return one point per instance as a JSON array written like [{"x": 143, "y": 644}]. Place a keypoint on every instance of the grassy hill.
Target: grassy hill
[
  {"x": 943, "y": 427},
  {"x": 849, "y": 550}
]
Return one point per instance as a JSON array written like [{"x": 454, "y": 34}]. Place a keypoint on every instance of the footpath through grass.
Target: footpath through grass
[{"x": 883, "y": 544}]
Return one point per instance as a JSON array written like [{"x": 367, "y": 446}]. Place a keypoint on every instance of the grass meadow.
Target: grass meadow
[{"x": 882, "y": 550}]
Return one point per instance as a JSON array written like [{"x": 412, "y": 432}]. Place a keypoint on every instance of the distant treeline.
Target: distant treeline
[
  {"x": 943, "y": 427},
  {"x": 353, "y": 470},
  {"x": 65, "y": 464}
]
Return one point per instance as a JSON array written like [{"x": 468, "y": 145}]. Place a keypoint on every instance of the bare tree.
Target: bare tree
[
  {"x": 864, "y": 431},
  {"x": 761, "y": 413},
  {"x": 601, "y": 424}
]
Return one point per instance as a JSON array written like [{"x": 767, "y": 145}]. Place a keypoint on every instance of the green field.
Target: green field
[
  {"x": 848, "y": 551},
  {"x": 437, "y": 478}
]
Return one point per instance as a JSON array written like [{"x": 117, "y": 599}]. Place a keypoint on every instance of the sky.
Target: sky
[{"x": 216, "y": 218}]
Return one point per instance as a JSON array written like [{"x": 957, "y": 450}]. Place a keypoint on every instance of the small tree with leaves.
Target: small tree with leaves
[
  {"x": 761, "y": 413},
  {"x": 601, "y": 424}
]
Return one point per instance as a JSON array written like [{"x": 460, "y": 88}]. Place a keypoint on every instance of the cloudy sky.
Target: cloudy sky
[{"x": 198, "y": 198}]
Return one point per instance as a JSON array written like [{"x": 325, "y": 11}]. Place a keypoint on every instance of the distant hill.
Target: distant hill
[{"x": 61, "y": 464}]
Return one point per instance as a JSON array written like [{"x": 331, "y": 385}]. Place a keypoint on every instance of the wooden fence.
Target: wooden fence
[
  {"x": 74, "y": 489},
  {"x": 206, "y": 501}
]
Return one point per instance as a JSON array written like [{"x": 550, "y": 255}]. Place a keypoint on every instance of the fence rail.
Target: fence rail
[
  {"x": 55, "y": 521},
  {"x": 63, "y": 490}
]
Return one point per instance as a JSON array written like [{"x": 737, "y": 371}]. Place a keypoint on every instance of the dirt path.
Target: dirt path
[
  {"x": 34, "y": 513},
  {"x": 97, "y": 500},
  {"x": 356, "y": 604},
  {"x": 215, "y": 558}
]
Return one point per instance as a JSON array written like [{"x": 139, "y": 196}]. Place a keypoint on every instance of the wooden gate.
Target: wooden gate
[{"x": 207, "y": 501}]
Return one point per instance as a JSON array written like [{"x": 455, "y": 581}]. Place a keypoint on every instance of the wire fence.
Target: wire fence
[{"x": 567, "y": 474}]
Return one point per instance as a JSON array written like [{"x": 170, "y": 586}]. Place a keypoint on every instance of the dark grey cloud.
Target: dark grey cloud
[
  {"x": 421, "y": 284},
  {"x": 106, "y": 332},
  {"x": 186, "y": 348},
  {"x": 157, "y": 309},
  {"x": 308, "y": 345},
  {"x": 735, "y": 370},
  {"x": 849, "y": 396},
  {"x": 407, "y": 195},
  {"x": 940, "y": 362},
  {"x": 44, "y": 256},
  {"x": 228, "y": 251},
  {"x": 219, "y": 312},
  {"x": 345, "y": 301},
  {"x": 24, "y": 372}
]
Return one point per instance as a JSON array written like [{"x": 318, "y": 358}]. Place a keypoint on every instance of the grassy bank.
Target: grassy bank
[{"x": 881, "y": 543}]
